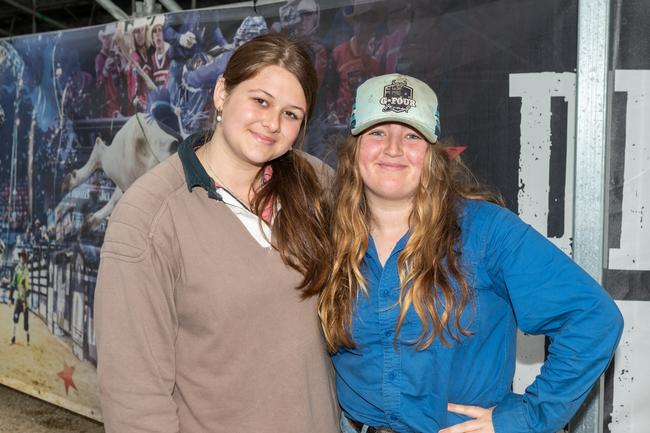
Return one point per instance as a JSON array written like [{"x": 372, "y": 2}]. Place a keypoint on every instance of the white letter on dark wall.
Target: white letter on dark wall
[
  {"x": 634, "y": 252},
  {"x": 536, "y": 91}
]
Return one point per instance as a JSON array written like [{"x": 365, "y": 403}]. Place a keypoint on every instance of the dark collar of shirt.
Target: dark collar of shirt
[{"x": 195, "y": 174}]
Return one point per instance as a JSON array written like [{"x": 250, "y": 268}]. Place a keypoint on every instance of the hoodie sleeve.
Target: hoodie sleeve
[{"x": 136, "y": 321}]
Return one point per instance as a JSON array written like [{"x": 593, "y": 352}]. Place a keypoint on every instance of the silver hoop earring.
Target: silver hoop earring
[{"x": 219, "y": 117}]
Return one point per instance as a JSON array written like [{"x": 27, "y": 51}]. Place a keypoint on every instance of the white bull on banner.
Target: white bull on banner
[{"x": 137, "y": 147}]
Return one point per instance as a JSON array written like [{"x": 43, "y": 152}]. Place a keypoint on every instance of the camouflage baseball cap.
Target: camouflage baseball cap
[{"x": 396, "y": 98}]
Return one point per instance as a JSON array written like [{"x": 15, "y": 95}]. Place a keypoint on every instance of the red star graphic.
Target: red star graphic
[
  {"x": 454, "y": 151},
  {"x": 66, "y": 376}
]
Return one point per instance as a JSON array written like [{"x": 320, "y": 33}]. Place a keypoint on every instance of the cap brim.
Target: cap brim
[{"x": 421, "y": 128}]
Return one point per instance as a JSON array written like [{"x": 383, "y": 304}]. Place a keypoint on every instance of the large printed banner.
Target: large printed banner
[{"x": 83, "y": 113}]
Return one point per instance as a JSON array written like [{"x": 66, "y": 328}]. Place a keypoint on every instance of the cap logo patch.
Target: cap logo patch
[{"x": 398, "y": 97}]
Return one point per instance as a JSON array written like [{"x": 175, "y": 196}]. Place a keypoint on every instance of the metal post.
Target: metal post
[{"x": 590, "y": 173}]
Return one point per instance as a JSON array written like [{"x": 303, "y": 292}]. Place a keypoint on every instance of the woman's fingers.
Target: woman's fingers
[
  {"x": 482, "y": 422},
  {"x": 474, "y": 426},
  {"x": 471, "y": 411}
]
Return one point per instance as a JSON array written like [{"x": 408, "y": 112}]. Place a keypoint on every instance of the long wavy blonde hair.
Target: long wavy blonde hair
[{"x": 430, "y": 263}]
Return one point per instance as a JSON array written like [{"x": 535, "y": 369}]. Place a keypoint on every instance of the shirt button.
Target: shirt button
[
  {"x": 388, "y": 332},
  {"x": 384, "y": 293},
  {"x": 391, "y": 376}
]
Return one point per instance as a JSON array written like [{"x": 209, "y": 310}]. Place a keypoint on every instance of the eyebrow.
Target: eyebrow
[{"x": 273, "y": 97}]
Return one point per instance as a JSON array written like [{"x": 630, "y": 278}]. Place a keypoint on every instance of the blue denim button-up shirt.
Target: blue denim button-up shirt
[{"x": 519, "y": 279}]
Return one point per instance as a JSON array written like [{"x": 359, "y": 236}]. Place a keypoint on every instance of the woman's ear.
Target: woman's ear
[{"x": 219, "y": 95}]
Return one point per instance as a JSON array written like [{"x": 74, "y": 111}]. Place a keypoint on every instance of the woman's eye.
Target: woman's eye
[
  {"x": 376, "y": 133},
  {"x": 261, "y": 101},
  {"x": 413, "y": 137},
  {"x": 291, "y": 115}
]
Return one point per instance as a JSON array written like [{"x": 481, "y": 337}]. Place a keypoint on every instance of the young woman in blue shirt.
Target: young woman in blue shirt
[{"x": 430, "y": 279}]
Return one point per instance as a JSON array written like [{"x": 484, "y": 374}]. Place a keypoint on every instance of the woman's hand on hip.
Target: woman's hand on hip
[{"x": 482, "y": 422}]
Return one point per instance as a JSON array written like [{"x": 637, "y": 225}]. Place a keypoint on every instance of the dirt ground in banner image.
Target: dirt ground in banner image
[{"x": 34, "y": 369}]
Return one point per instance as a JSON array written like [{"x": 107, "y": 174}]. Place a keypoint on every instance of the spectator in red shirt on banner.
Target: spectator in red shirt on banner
[
  {"x": 398, "y": 21},
  {"x": 108, "y": 74},
  {"x": 160, "y": 58},
  {"x": 353, "y": 61},
  {"x": 137, "y": 86}
]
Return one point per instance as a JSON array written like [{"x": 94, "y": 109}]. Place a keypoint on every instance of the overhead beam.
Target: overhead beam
[
  {"x": 170, "y": 5},
  {"x": 43, "y": 7},
  {"x": 113, "y": 9},
  {"x": 38, "y": 15}
]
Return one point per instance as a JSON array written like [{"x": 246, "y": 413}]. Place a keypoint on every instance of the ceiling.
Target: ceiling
[{"x": 23, "y": 17}]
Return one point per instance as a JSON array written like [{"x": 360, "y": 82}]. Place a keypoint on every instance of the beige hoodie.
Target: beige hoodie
[{"x": 199, "y": 328}]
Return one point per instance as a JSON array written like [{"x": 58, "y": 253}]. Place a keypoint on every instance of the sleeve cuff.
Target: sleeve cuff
[{"x": 508, "y": 416}]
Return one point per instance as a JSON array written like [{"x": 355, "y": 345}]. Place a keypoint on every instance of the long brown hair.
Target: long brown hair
[
  {"x": 429, "y": 264},
  {"x": 294, "y": 189}
]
